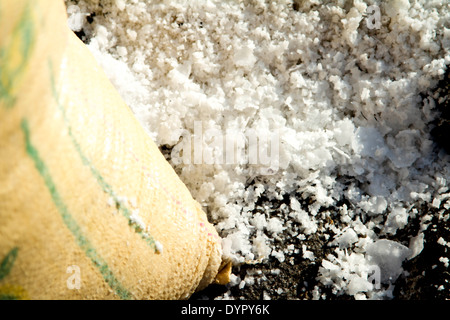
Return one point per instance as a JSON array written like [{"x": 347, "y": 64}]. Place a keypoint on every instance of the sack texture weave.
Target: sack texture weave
[{"x": 89, "y": 207}]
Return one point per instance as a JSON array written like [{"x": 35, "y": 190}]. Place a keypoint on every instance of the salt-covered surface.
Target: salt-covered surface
[{"x": 338, "y": 86}]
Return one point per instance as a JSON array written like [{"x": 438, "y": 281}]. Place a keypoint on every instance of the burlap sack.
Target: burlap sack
[{"x": 89, "y": 207}]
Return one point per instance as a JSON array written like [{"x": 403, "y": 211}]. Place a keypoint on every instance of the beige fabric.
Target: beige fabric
[{"x": 89, "y": 207}]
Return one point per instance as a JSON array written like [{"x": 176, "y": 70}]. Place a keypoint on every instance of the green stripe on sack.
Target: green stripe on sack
[
  {"x": 69, "y": 221},
  {"x": 8, "y": 262},
  {"x": 106, "y": 187},
  {"x": 14, "y": 56}
]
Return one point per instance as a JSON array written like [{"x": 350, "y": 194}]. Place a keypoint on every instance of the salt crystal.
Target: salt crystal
[
  {"x": 76, "y": 18},
  {"x": 416, "y": 245},
  {"x": 347, "y": 238},
  {"x": 388, "y": 255},
  {"x": 159, "y": 247},
  {"x": 445, "y": 261}
]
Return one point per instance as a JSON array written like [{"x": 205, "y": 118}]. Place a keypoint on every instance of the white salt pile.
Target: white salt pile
[{"x": 318, "y": 104}]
